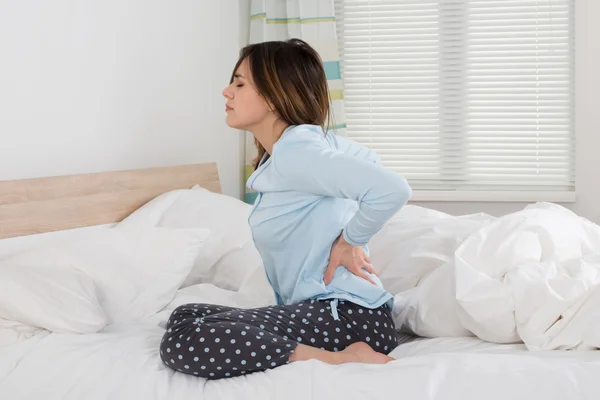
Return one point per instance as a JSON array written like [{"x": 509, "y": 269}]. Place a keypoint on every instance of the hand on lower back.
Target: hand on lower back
[{"x": 354, "y": 258}]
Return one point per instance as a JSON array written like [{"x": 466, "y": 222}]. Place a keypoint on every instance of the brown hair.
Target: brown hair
[{"x": 290, "y": 76}]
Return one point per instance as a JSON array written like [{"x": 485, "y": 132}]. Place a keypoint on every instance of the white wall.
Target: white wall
[
  {"x": 587, "y": 108},
  {"x": 89, "y": 86},
  {"x": 244, "y": 17},
  {"x": 587, "y": 124}
]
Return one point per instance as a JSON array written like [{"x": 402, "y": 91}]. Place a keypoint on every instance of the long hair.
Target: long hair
[{"x": 290, "y": 76}]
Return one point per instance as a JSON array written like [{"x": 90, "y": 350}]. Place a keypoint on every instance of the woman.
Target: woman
[{"x": 320, "y": 199}]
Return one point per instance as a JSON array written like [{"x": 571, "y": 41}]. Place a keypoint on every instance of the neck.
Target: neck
[{"x": 268, "y": 133}]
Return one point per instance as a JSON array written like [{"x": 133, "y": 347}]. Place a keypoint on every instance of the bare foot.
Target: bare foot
[
  {"x": 363, "y": 353},
  {"x": 359, "y": 352}
]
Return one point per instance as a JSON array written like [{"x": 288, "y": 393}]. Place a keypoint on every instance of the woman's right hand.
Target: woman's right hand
[{"x": 354, "y": 258}]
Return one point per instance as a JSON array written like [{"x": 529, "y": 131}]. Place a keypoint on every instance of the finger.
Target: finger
[
  {"x": 360, "y": 272},
  {"x": 329, "y": 272},
  {"x": 367, "y": 259},
  {"x": 367, "y": 277},
  {"x": 370, "y": 269}
]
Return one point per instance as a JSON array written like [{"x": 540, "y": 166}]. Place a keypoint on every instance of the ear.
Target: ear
[
  {"x": 267, "y": 103},
  {"x": 270, "y": 106}
]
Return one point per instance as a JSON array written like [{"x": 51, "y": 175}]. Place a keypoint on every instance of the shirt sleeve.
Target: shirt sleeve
[{"x": 308, "y": 165}]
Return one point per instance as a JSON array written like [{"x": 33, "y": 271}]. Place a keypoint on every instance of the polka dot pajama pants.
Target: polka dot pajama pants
[{"x": 214, "y": 341}]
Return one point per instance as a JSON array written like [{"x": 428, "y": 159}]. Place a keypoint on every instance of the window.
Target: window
[{"x": 469, "y": 100}]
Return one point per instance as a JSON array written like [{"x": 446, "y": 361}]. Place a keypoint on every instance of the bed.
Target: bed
[{"x": 92, "y": 265}]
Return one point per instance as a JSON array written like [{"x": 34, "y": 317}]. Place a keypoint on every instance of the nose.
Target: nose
[{"x": 227, "y": 93}]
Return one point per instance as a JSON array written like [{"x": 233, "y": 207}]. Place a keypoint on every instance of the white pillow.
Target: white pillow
[
  {"x": 53, "y": 297},
  {"x": 18, "y": 244},
  {"x": 136, "y": 272},
  {"x": 229, "y": 255}
]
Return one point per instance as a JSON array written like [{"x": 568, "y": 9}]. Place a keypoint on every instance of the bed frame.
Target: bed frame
[{"x": 39, "y": 205}]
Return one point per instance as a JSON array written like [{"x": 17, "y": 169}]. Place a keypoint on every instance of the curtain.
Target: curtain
[{"x": 314, "y": 22}]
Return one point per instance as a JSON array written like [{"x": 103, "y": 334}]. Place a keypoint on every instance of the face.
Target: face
[{"x": 245, "y": 108}]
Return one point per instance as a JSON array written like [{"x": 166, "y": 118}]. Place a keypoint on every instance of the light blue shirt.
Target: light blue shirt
[{"x": 313, "y": 187}]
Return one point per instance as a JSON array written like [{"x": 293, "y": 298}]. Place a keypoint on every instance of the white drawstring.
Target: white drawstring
[{"x": 334, "y": 311}]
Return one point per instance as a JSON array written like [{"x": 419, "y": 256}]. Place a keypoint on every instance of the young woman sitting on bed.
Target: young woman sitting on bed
[{"x": 320, "y": 198}]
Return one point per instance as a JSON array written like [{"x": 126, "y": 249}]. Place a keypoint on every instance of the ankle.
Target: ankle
[
  {"x": 341, "y": 357},
  {"x": 302, "y": 353}
]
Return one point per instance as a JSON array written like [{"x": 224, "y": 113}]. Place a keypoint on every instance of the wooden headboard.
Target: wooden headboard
[{"x": 39, "y": 205}]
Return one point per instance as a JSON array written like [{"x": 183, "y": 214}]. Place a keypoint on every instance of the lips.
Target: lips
[{"x": 227, "y": 108}]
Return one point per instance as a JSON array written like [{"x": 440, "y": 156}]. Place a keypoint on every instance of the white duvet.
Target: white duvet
[
  {"x": 531, "y": 276},
  {"x": 122, "y": 362}
]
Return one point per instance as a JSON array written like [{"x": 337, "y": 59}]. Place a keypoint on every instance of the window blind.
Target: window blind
[{"x": 463, "y": 96}]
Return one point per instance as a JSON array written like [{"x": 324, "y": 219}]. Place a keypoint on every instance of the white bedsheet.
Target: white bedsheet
[{"x": 122, "y": 362}]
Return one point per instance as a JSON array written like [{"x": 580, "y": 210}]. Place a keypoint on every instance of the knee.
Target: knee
[
  {"x": 170, "y": 350},
  {"x": 181, "y": 313},
  {"x": 185, "y": 310},
  {"x": 166, "y": 354}
]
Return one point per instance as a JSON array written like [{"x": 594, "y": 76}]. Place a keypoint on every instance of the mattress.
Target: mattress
[{"x": 122, "y": 362}]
